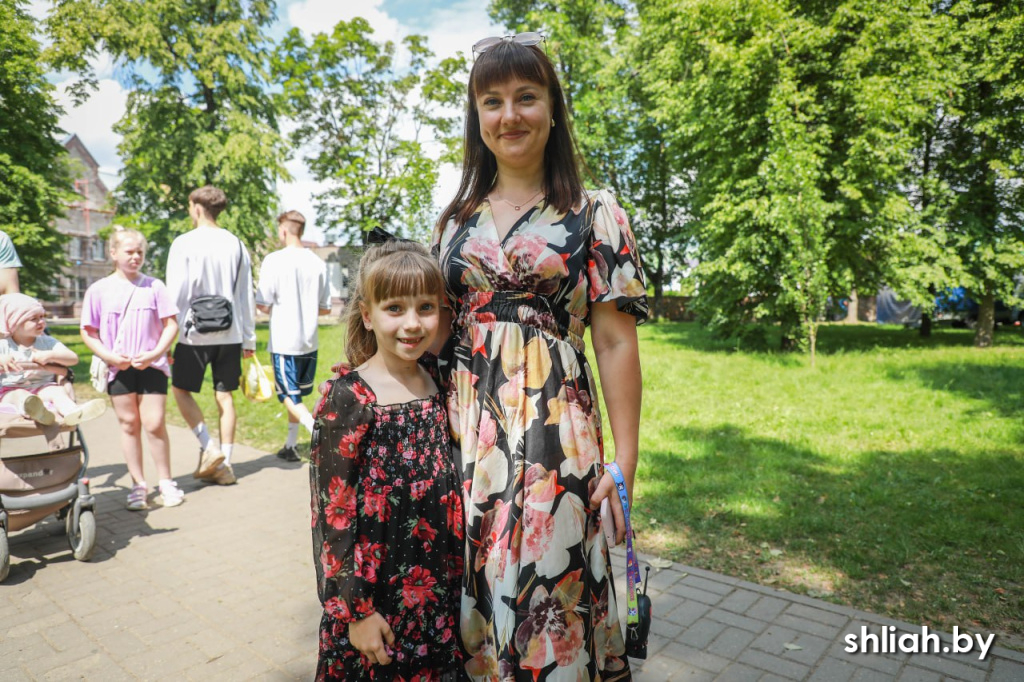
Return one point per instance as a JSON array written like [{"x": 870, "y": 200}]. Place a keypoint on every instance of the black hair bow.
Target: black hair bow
[{"x": 380, "y": 236}]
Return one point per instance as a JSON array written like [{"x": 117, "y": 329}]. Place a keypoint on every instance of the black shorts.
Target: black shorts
[
  {"x": 149, "y": 381},
  {"x": 190, "y": 363}
]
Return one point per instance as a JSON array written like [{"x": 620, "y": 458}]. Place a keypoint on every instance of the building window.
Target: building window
[
  {"x": 75, "y": 249},
  {"x": 97, "y": 250}
]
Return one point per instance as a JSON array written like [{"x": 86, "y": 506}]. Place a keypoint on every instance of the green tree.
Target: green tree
[
  {"x": 982, "y": 158},
  {"x": 594, "y": 45},
  {"x": 34, "y": 180},
  {"x": 797, "y": 119},
  {"x": 198, "y": 110},
  {"x": 360, "y": 117}
]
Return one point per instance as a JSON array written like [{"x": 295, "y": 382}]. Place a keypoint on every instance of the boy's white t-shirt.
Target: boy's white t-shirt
[
  {"x": 29, "y": 379},
  {"x": 294, "y": 282}
]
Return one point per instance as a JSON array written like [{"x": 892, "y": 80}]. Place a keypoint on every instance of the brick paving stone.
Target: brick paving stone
[
  {"x": 694, "y": 657},
  {"x": 810, "y": 627},
  {"x": 819, "y": 615},
  {"x": 666, "y": 628},
  {"x": 914, "y": 674},
  {"x": 739, "y": 601},
  {"x": 702, "y": 633},
  {"x": 1005, "y": 671},
  {"x": 737, "y": 620},
  {"x": 737, "y": 672},
  {"x": 766, "y": 608},
  {"x": 775, "y": 664},
  {"x": 662, "y": 580},
  {"x": 686, "y": 613},
  {"x": 833, "y": 670},
  {"x": 706, "y": 585},
  {"x": 949, "y": 668},
  {"x": 731, "y": 643},
  {"x": 684, "y": 590}
]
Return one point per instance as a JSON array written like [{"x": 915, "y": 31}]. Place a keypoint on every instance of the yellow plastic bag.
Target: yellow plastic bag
[{"x": 257, "y": 380}]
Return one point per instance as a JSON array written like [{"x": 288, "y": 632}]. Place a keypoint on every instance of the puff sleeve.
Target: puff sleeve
[
  {"x": 614, "y": 270},
  {"x": 343, "y": 418}
]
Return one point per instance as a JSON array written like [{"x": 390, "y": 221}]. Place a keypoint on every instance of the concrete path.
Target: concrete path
[{"x": 222, "y": 588}]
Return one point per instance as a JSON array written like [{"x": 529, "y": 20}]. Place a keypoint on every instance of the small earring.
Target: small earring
[{"x": 552, "y": 123}]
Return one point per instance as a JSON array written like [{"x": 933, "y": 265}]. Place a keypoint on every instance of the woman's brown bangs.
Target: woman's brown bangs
[
  {"x": 506, "y": 62},
  {"x": 404, "y": 274}
]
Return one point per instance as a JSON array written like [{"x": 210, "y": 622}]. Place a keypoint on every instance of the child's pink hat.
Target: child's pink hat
[{"x": 15, "y": 309}]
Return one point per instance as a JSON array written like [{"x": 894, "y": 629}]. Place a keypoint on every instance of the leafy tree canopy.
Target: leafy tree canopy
[
  {"x": 198, "y": 111},
  {"x": 34, "y": 179},
  {"x": 360, "y": 116}
]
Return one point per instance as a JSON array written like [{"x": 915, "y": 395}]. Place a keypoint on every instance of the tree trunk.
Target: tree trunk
[
  {"x": 926, "y": 326},
  {"x": 986, "y": 319},
  {"x": 851, "y": 309}
]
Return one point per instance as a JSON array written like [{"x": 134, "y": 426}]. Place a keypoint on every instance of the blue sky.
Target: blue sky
[{"x": 450, "y": 26}]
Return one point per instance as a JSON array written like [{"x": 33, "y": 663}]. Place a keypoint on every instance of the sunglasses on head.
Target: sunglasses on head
[{"x": 528, "y": 39}]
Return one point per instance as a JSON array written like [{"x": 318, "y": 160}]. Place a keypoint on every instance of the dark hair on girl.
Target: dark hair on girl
[
  {"x": 394, "y": 268},
  {"x": 563, "y": 187}
]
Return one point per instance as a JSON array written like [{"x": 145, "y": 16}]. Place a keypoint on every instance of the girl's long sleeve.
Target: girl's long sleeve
[{"x": 336, "y": 463}]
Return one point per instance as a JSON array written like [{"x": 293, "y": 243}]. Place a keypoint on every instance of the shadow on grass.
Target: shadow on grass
[
  {"x": 1000, "y": 385},
  {"x": 935, "y": 531},
  {"x": 832, "y": 339}
]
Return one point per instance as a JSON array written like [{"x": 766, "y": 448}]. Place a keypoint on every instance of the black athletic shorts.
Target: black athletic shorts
[
  {"x": 190, "y": 364},
  {"x": 142, "y": 381}
]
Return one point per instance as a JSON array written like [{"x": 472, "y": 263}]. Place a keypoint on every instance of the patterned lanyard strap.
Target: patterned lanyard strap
[{"x": 632, "y": 566}]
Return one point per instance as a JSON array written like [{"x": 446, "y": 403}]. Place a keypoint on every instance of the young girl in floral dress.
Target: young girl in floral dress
[{"x": 386, "y": 498}]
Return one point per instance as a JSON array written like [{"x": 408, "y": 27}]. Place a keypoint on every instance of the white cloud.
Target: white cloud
[
  {"x": 318, "y": 16},
  {"x": 456, "y": 27}
]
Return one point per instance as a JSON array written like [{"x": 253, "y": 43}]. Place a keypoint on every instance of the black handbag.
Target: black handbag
[
  {"x": 638, "y": 604},
  {"x": 213, "y": 313}
]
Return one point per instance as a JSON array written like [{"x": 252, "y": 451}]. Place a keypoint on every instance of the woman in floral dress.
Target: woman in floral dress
[{"x": 530, "y": 260}]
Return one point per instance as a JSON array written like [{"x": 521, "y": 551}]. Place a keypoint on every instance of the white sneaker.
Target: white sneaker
[
  {"x": 170, "y": 494},
  {"x": 33, "y": 408},
  {"x": 209, "y": 460},
  {"x": 86, "y": 411}
]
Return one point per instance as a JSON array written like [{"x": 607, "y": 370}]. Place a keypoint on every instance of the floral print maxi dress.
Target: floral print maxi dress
[
  {"x": 538, "y": 600},
  {"x": 387, "y": 530}
]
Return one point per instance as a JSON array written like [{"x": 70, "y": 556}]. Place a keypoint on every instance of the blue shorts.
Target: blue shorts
[{"x": 293, "y": 375}]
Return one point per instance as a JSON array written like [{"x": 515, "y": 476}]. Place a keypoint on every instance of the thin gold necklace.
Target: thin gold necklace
[{"x": 519, "y": 206}]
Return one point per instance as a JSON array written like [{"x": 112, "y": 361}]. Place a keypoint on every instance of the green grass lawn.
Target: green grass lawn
[{"x": 890, "y": 477}]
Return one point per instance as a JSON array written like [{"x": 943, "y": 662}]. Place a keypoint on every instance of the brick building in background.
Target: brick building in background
[{"x": 90, "y": 212}]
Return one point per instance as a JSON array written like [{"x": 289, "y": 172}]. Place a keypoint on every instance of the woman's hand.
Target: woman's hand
[
  {"x": 372, "y": 636},
  {"x": 606, "y": 489}
]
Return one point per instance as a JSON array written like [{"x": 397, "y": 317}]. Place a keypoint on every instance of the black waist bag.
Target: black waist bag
[{"x": 211, "y": 314}]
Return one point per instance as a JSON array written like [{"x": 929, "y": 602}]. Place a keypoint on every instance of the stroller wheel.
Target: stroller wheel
[
  {"x": 5, "y": 555},
  {"x": 82, "y": 539}
]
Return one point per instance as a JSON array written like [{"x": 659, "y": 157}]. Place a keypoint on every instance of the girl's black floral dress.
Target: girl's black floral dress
[{"x": 387, "y": 530}]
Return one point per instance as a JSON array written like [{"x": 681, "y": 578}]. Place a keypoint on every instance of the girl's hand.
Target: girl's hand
[
  {"x": 42, "y": 357},
  {"x": 119, "y": 361},
  {"x": 9, "y": 363},
  {"x": 143, "y": 360},
  {"x": 372, "y": 636}
]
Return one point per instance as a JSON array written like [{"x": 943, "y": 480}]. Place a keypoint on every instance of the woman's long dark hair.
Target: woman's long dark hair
[{"x": 506, "y": 61}]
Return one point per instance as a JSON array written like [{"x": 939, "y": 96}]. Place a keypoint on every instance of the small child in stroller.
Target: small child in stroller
[{"x": 33, "y": 366}]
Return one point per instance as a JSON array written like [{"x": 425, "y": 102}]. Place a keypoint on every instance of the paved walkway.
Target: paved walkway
[{"x": 222, "y": 588}]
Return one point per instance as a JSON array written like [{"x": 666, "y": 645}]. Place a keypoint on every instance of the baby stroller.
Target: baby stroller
[{"x": 35, "y": 484}]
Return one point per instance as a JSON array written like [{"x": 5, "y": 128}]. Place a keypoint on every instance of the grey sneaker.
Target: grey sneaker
[
  {"x": 224, "y": 475},
  {"x": 209, "y": 460}
]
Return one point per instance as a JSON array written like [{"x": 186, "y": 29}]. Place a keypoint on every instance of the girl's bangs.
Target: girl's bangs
[
  {"x": 505, "y": 62},
  {"x": 404, "y": 274}
]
